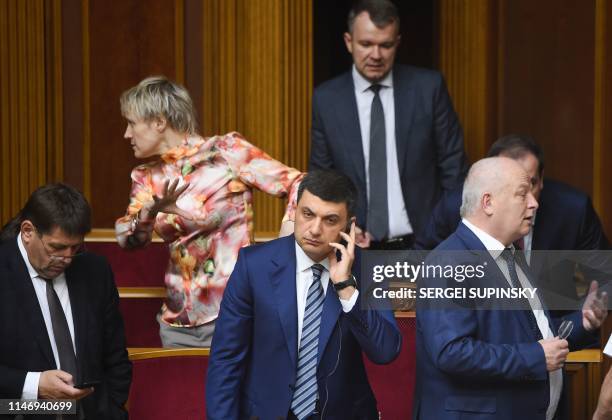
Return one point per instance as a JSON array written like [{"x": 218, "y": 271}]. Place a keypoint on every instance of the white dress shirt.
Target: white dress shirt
[
  {"x": 495, "y": 248},
  {"x": 303, "y": 279},
  {"x": 528, "y": 240},
  {"x": 30, "y": 387},
  {"x": 399, "y": 224}
]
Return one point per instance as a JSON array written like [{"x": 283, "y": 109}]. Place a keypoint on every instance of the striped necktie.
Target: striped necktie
[{"x": 305, "y": 394}]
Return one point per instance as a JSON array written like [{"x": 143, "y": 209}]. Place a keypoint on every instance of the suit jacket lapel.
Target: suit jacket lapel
[
  {"x": 348, "y": 119},
  {"x": 329, "y": 316},
  {"x": 282, "y": 278},
  {"x": 473, "y": 243},
  {"x": 29, "y": 302},
  {"x": 532, "y": 277},
  {"x": 78, "y": 303},
  {"x": 401, "y": 89}
]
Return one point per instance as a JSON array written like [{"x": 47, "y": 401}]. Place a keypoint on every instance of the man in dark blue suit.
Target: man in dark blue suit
[
  {"x": 392, "y": 129},
  {"x": 494, "y": 364},
  {"x": 565, "y": 220},
  {"x": 291, "y": 328}
]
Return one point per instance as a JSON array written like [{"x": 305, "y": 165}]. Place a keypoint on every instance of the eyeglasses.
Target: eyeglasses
[{"x": 55, "y": 255}]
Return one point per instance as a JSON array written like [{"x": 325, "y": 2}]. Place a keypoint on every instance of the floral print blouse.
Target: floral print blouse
[{"x": 221, "y": 172}]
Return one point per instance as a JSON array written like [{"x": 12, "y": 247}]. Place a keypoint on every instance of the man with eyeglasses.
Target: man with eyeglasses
[{"x": 61, "y": 333}]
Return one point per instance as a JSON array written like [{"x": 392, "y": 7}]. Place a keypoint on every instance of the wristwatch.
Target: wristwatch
[{"x": 346, "y": 283}]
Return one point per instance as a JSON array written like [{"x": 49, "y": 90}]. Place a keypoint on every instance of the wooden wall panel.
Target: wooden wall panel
[
  {"x": 72, "y": 91},
  {"x": 23, "y": 134},
  {"x": 257, "y": 79},
  {"x": 179, "y": 41},
  {"x": 215, "y": 47},
  {"x": 127, "y": 42},
  {"x": 7, "y": 207},
  {"x": 541, "y": 69},
  {"x": 582, "y": 381},
  {"x": 297, "y": 84},
  {"x": 260, "y": 85},
  {"x": 54, "y": 86},
  {"x": 602, "y": 168},
  {"x": 275, "y": 86},
  {"x": 219, "y": 95},
  {"x": 194, "y": 50},
  {"x": 247, "y": 65},
  {"x": 548, "y": 60},
  {"x": 468, "y": 61}
]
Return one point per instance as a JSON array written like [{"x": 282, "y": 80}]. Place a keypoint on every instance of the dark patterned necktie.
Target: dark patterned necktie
[
  {"x": 63, "y": 340},
  {"x": 508, "y": 257},
  {"x": 378, "y": 217}
]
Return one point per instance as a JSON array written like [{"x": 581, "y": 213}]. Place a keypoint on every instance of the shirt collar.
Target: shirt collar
[
  {"x": 362, "y": 84},
  {"x": 492, "y": 245},
  {"x": 24, "y": 254},
  {"x": 304, "y": 262},
  {"x": 188, "y": 147}
]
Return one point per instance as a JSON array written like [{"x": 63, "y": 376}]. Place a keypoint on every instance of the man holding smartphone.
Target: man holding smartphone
[
  {"x": 61, "y": 333},
  {"x": 292, "y": 327}
]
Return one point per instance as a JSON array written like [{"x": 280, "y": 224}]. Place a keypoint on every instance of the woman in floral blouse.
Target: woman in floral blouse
[{"x": 198, "y": 197}]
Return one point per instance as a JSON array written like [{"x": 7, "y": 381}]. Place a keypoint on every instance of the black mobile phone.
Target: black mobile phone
[
  {"x": 342, "y": 241},
  {"x": 87, "y": 384}
]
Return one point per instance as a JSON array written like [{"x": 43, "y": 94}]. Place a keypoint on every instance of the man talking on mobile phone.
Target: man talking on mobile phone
[
  {"x": 292, "y": 329},
  {"x": 61, "y": 333}
]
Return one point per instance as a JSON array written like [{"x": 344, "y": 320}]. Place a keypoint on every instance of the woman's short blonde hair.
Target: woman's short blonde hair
[{"x": 157, "y": 96}]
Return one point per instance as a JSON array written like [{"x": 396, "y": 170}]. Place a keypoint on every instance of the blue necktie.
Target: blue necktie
[{"x": 305, "y": 394}]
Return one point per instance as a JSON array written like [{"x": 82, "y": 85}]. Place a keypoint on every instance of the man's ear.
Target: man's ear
[
  {"x": 27, "y": 231},
  {"x": 542, "y": 180},
  {"x": 486, "y": 204},
  {"x": 348, "y": 41}
]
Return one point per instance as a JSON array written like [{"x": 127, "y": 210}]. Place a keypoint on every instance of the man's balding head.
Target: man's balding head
[{"x": 497, "y": 198}]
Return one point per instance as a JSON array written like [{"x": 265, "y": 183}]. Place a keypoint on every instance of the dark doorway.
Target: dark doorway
[{"x": 330, "y": 55}]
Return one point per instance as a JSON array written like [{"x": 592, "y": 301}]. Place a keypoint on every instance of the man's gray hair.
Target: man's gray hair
[
  {"x": 156, "y": 97},
  {"x": 485, "y": 175}
]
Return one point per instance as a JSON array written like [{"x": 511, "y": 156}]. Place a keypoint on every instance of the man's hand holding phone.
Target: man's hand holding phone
[
  {"x": 340, "y": 269},
  {"x": 57, "y": 384}
]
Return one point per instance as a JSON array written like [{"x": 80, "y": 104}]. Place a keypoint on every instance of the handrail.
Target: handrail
[
  {"x": 142, "y": 292},
  {"x": 585, "y": 356},
  {"x": 142, "y": 353},
  {"x": 108, "y": 235}
]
